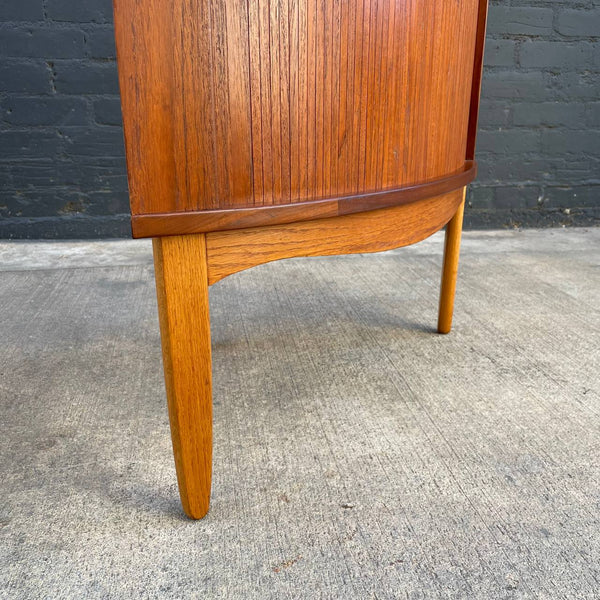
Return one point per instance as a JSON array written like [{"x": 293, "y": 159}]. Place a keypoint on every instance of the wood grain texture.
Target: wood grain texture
[
  {"x": 182, "y": 291},
  {"x": 226, "y": 219},
  {"x": 232, "y": 251},
  {"x": 450, "y": 269},
  {"x": 241, "y": 105}
]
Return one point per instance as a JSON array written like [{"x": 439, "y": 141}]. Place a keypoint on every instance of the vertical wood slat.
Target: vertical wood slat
[
  {"x": 361, "y": 29},
  {"x": 220, "y": 88},
  {"x": 311, "y": 110},
  {"x": 263, "y": 60},
  {"x": 346, "y": 75},
  {"x": 284, "y": 98},
  {"x": 236, "y": 104},
  {"x": 318, "y": 84},
  {"x": 274, "y": 58},
  {"x": 388, "y": 73},
  {"x": 239, "y": 127},
  {"x": 294, "y": 99},
  {"x": 256, "y": 94},
  {"x": 302, "y": 107},
  {"x": 367, "y": 53}
]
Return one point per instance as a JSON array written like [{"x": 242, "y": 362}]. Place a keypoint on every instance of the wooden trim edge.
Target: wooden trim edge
[
  {"x": 476, "y": 81},
  {"x": 205, "y": 221}
]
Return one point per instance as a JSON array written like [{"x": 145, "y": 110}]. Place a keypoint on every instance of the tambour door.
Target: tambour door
[{"x": 232, "y": 105}]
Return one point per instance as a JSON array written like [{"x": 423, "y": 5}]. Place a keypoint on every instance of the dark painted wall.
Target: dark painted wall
[{"x": 62, "y": 167}]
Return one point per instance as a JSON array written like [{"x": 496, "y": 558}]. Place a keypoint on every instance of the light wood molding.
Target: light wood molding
[{"x": 232, "y": 251}]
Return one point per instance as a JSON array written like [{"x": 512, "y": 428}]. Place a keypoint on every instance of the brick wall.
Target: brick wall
[
  {"x": 62, "y": 167},
  {"x": 539, "y": 129},
  {"x": 62, "y": 161}
]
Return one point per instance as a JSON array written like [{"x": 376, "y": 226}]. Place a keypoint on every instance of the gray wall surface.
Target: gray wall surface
[{"x": 62, "y": 166}]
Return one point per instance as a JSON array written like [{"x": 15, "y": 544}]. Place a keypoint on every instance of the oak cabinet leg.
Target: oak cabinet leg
[
  {"x": 182, "y": 291},
  {"x": 450, "y": 268}
]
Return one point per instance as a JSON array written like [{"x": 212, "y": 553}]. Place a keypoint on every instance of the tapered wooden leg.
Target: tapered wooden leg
[
  {"x": 450, "y": 268},
  {"x": 182, "y": 290}
]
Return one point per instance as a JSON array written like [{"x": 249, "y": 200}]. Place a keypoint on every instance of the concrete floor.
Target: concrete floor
[{"x": 357, "y": 454}]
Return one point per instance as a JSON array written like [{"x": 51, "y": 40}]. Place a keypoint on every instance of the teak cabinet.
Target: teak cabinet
[{"x": 264, "y": 129}]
